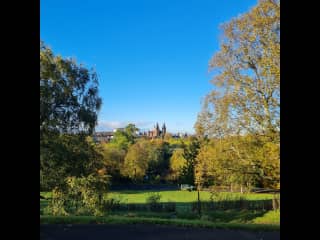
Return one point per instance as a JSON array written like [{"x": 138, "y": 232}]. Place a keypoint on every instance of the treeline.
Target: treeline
[
  {"x": 246, "y": 161},
  {"x": 140, "y": 160},
  {"x": 237, "y": 139}
]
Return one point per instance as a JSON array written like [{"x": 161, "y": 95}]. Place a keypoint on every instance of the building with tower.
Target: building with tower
[{"x": 156, "y": 132}]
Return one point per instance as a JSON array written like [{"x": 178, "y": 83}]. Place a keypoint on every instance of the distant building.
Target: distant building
[
  {"x": 103, "y": 136},
  {"x": 156, "y": 132}
]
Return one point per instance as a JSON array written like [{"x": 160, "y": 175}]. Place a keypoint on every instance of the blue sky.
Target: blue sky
[{"x": 151, "y": 56}]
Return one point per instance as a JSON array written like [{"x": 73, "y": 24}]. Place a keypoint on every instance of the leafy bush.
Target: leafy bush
[
  {"x": 57, "y": 206},
  {"x": 79, "y": 196},
  {"x": 153, "y": 202}
]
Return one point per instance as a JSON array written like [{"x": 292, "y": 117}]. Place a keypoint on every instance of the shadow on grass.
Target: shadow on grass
[
  {"x": 227, "y": 216},
  {"x": 235, "y": 216},
  {"x": 205, "y": 205},
  {"x": 228, "y": 212}
]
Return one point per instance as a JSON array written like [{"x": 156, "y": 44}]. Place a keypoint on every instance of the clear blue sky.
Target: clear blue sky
[{"x": 151, "y": 55}]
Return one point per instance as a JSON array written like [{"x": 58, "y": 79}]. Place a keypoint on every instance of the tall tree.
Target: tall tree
[
  {"x": 243, "y": 111},
  {"x": 136, "y": 161},
  {"x": 131, "y": 132},
  {"x": 124, "y": 139},
  {"x": 159, "y": 159},
  {"x": 207, "y": 164},
  {"x": 67, "y": 155},
  {"x": 177, "y": 162},
  {"x": 190, "y": 153},
  {"x": 246, "y": 98},
  {"x": 113, "y": 159},
  {"x": 69, "y": 99},
  {"x": 69, "y": 103}
]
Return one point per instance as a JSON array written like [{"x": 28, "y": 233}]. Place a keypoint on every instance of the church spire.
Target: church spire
[
  {"x": 164, "y": 129},
  {"x": 157, "y": 130}
]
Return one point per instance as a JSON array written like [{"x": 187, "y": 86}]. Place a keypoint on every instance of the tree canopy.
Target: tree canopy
[
  {"x": 246, "y": 98},
  {"x": 241, "y": 115},
  {"x": 69, "y": 99},
  {"x": 69, "y": 105}
]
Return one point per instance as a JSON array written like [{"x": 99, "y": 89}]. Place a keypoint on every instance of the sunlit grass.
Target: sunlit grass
[
  {"x": 270, "y": 217},
  {"x": 178, "y": 196}
]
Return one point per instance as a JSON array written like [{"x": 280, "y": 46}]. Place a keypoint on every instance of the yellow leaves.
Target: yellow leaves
[
  {"x": 102, "y": 171},
  {"x": 177, "y": 161},
  {"x": 248, "y": 71}
]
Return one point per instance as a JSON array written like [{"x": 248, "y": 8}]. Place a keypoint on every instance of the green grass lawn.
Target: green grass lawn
[
  {"x": 177, "y": 196},
  {"x": 183, "y": 200}
]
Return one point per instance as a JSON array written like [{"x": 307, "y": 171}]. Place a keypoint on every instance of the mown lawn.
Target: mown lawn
[
  {"x": 178, "y": 196},
  {"x": 183, "y": 200}
]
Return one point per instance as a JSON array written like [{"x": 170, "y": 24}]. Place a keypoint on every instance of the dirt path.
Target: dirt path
[{"x": 146, "y": 232}]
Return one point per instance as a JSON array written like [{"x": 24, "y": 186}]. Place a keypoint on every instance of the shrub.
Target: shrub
[
  {"x": 79, "y": 196},
  {"x": 57, "y": 206},
  {"x": 153, "y": 202}
]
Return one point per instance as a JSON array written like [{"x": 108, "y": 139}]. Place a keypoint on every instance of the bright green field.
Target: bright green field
[{"x": 177, "y": 196}]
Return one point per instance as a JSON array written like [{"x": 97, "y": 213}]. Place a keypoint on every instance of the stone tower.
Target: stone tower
[
  {"x": 157, "y": 130},
  {"x": 164, "y": 130}
]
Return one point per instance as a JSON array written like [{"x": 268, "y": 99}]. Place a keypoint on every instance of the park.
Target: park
[{"x": 212, "y": 166}]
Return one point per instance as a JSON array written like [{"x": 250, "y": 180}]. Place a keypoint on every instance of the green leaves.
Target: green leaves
[
  {"x": 79, "y": 195},
  {"x": 69, "y": 99},
  {"x": 239, "y": 160},
  {"x": 243, "y": 110},
  {"x": 69, "y": 103},
  {"x": 63, "y": 155},
  {"x": 246, "y": 98}
]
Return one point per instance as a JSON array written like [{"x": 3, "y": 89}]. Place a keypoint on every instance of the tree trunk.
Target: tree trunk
[{"x": 199, "y": 204}]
